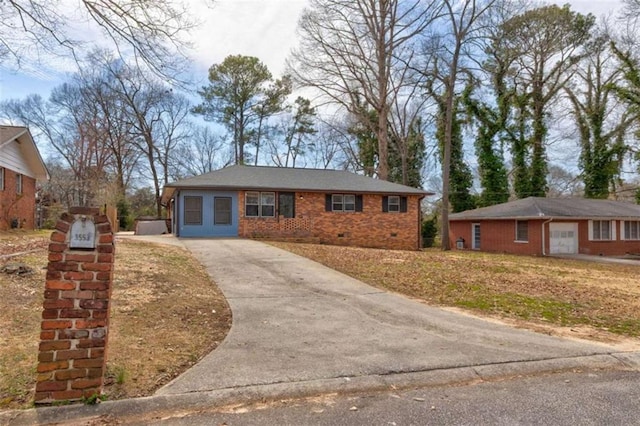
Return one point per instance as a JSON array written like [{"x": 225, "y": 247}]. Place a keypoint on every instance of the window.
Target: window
[
  {"x": 252, "y": 204},
  {"x": 631, "y": 230},
  {"x": 1, "y": 178},
  {"x": 475, "y": 236},
  {"x": 343, "y": 203},
  {"x": 394, "y": 204},
  {"x": 18, "y": 183},
  {"x": 267, "y": 204},
  {"x": 522, "y": 230},
  {"x": 287, "y": 204},
  {"x": 602, "y": 230},
  {"x": 222, "y": 210},
  {"x": 192, "y": 210},
  {"x": 259, "y": 204}
]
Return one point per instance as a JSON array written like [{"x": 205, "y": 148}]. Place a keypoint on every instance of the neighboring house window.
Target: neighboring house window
[
  {"x": 522, "y": 230},
  {"x": 394, "y": 204},
  {"x": 18, "y": 183},
  {"x": 602, "y": 230},
  {"x": 343, "y": 203},
  {"x": 1, "y": 178},
  {"x": 192, "y": 210},
  {"x": 631, "y": 230},
  {"x": 475, "y": 236},
  {"x": 259, "y": 204}
]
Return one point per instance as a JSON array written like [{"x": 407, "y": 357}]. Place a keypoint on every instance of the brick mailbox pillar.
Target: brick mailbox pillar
[{"x": 75, "y": 316}]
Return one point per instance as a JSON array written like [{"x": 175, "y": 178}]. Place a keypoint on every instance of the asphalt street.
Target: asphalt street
[{"x": 573, "y": 398}]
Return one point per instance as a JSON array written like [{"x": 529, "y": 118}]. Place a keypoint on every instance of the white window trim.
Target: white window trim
[
  {"x": 623, "y": 232},
  {"x": 19, "y": 183},
  {"x": 395, "y": 204},
  {"x": 260, "y": 203},
  {"x": 612, "y": 227},
  {"x": 343, "y": 203}
]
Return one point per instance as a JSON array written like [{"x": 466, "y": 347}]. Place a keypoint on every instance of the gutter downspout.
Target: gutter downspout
[
  {"x": 420, "y": 247},
  {"x": 543, "y": 241}
]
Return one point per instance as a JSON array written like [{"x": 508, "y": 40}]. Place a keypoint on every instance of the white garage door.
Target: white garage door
[{"x": 563, "y": 238}]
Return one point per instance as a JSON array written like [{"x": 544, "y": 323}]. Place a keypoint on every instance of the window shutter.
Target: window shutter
[
  {"x": 403, "y": 204},
  {"x": 327, "y": 202},
  {"x": 590, "y": 230},
  {"x": 385, "y": 204},
  {"x": 359, "y": 203}
]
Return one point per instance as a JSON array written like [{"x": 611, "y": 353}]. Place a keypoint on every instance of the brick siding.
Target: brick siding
[
  {"x": 498, "y": 236},
  {"x": 369, "y": 228},
  {"x": 75, "y": 316},
  {"x": 14, "y": 206}
]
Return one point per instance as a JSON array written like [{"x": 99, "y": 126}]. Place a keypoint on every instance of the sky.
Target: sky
[{"x": 262, "y": 28}]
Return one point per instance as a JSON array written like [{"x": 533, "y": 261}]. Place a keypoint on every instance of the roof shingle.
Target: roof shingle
[
  {"x": 538, "y": 207},
  {"x": 288, "y": 179}
]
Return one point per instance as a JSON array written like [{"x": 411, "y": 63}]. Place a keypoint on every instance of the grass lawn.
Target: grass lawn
[
  {"x": 589, "y": 300},
  {"x": 165, "y": 315}
]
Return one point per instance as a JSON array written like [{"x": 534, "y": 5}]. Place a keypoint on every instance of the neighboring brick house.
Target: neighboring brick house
[
  {"x": 325, "y": 206},
  {"x": 543, "y": 226},
  {"x": 20, "y": 167}
]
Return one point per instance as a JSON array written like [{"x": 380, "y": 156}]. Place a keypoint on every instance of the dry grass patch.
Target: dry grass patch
[
  {"x": 534, "y": 291},
  {"x": 165, "y": 315}
]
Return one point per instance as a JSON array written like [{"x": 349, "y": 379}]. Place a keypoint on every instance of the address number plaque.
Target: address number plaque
[{"x": 83, "y": 234}]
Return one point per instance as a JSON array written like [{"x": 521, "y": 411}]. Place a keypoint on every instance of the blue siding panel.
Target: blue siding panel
[{"x": 208, "y": 229}]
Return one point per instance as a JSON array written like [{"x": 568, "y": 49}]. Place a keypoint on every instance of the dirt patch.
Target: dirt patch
[
  {"x": 567, "y": 297},
  {"x": 166, "y": 314}
]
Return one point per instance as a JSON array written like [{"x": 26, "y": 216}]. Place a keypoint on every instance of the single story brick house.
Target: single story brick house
[
  {"x": 544, "y": 226},
  {"x": 325, "y": 206},
  {"x": 21, "y": 166}
]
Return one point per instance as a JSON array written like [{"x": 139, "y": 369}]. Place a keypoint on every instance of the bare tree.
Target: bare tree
[
  {"x": 462, "y": 19},
  {"x": 158, "y": 120},
  {"x": 204, "y": 152},
  {"x": 152, "y": 31},
  {"x": 70, "y": 124},
  {"x": 357, "y": 55}
]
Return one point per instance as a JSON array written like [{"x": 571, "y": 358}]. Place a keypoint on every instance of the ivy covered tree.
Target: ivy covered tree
[
  {"x": 460, "y": 176},
  {"x": 628, "y": 90},
  {"x": 541, "y": 48},
  {"x": 490, "y": 122},
  {"x": 602, "y": 131},
  {"x": 406, "y": 167}
]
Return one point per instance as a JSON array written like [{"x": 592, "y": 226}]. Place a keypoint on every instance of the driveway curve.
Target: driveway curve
[{"x": 296, "y": 321}]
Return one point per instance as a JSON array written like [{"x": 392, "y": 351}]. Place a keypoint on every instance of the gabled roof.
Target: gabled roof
[
  {"x": 27, "y": 149},
  {"x": 552, "y": 208},
  {"x": 261, "y": 178}
]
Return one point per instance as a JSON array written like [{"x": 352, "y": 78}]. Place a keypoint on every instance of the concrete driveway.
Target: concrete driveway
[{"x": 299, "y": 323}]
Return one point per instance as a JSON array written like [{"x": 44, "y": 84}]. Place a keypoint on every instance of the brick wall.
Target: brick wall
[
  {"x": 369, "y": 228},
  {"x": 617, "y": 247},
  {"x": 499, "y": 236},
  {"x": 75, "y": 316},
  {"x": 12, "y": 205}
]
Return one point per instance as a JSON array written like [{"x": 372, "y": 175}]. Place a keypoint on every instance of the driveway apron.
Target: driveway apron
[{"x": 295, "y": 320}]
